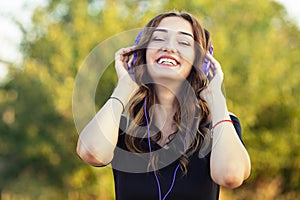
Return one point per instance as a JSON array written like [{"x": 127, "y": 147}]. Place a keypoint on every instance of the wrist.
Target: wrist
[
  {"x": 119, "y": 100},
  {"x": 219, "y": 123},
  {"x": 219, "y": 110},
  {"x": 124, "y": 92}
]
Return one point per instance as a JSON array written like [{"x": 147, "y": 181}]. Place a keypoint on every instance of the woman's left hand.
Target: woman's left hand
[
  {"x": 213, "y": 94},
  {"x": 215, "y": 78}
]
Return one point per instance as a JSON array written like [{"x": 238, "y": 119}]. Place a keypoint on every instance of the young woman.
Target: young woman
[{"x": 176, "y": 138}]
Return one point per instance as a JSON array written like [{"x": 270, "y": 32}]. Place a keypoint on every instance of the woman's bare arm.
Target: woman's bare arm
[
  {"x": 230, "y": 162},
  {"x": 98, "y": 139}
]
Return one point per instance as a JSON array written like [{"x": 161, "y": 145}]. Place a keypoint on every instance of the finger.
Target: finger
[
  {"x": 128, "y": 51},
  {"x": 212, "y": 59},
  {"x": 125, "y": 52},
  {"x": 210, "y": 75},
  {"x": 130, "y": 63},
  {"x": 215, "y": 65}
]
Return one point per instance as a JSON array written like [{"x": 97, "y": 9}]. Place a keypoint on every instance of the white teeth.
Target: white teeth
[{"x": 167, "y": 61}]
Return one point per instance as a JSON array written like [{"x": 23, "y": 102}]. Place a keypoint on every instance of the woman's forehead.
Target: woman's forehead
[{"x": 177, "y": 24}]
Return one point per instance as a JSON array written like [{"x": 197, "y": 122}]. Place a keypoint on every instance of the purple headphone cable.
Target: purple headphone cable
[
  {"x": 150, "y": 150},
  {"x": 148, "y": 130}
]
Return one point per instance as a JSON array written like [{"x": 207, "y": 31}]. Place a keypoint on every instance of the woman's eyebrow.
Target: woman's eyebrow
[
  {"x": 185, "y": 33},
  {"x": 161, "y": 30},
  {"x": 180, "y": 32}
]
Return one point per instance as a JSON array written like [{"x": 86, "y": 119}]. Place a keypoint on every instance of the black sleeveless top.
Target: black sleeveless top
[{"x": 132, "y": 183}]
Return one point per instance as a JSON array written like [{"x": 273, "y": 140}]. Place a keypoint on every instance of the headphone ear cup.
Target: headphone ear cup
[
  {"x": 205, "y": 67},
  {"x": 136, "y": 41},
  {"x": 206, "y": 64}
]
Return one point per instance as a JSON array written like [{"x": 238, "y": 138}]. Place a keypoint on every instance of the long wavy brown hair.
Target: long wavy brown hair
[{"x": 192, "y": 116}]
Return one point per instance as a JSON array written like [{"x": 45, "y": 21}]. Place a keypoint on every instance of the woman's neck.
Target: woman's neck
[
  {"x": 166, "y": 100},
  {"x": 164, "y": 112}
]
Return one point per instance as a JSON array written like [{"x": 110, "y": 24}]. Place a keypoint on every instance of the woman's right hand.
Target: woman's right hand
[
  {"x": 122, "y": 60},
  {"x": 126, "y": 80}
]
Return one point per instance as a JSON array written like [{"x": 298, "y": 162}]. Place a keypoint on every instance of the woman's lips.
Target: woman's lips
[{"x": 168, "y": 61}]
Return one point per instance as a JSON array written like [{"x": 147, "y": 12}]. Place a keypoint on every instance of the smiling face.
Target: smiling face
[{"x": 170, "y": 53}]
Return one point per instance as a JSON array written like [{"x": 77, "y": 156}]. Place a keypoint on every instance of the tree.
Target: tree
[{"x": 255, "y": 43}]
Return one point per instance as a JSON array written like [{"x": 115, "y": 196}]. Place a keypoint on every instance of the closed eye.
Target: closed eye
[
  {"x": 158, "y": 39},
  {"x": 184, "y": 42}
]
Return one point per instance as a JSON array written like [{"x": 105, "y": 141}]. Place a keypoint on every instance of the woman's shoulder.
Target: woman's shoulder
[
  {"x": 236, "y": 124},
  {"x": 123, "y": 124}
]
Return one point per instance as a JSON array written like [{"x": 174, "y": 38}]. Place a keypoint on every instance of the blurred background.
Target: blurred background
[{"x": 44, "y": 43}]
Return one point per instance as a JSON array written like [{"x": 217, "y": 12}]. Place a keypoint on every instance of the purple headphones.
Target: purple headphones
[{"x": 205, "y": 66}]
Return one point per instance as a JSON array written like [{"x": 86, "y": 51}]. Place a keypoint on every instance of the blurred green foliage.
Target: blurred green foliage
[{"x": 257, "y": 45}]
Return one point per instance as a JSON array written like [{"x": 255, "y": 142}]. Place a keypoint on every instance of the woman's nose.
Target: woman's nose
[
  {"x": 170, "y": 46},
  {"x": 169, "y": 49}
]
